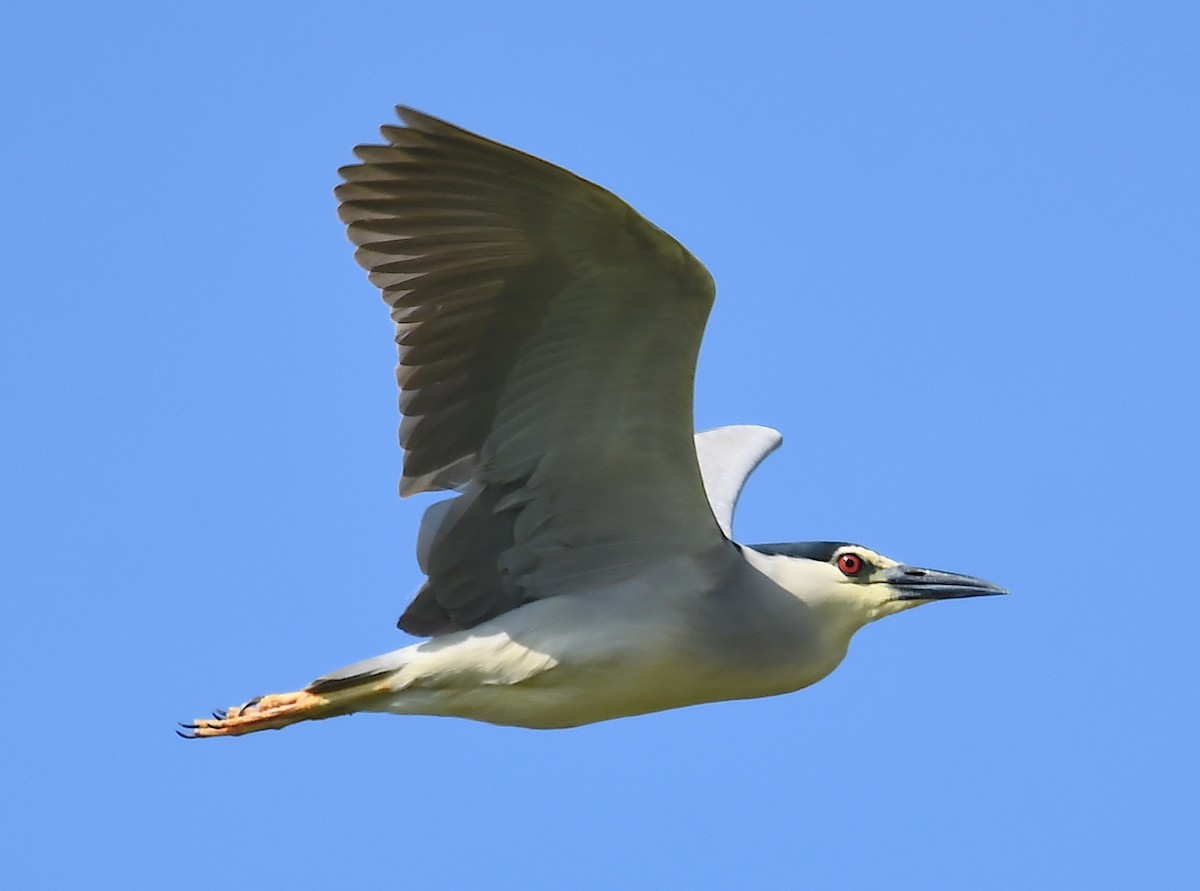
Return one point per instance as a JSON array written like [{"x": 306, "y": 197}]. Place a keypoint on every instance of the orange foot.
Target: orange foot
[{"x": 263, "y": 713}]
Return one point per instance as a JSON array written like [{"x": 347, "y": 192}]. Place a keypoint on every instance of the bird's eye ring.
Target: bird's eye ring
[{"x": 850, "y": 564}]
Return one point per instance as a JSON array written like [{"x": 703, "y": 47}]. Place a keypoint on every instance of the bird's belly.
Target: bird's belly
[
  {"x": 562, "y": 697},
  {"x": 573, "y": 696},
  {"x": 563, "y": 666}
]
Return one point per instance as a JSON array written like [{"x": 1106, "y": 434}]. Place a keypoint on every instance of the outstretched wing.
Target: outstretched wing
[
  {"x": 547, "y": 337},
  {"x": 728, "y": 455}
]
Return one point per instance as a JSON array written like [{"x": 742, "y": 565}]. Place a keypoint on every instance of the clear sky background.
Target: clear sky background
[{"x": 958, "y": 259}]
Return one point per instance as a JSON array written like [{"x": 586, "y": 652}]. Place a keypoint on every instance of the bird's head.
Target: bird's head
[{"x": 855, "y": 583}]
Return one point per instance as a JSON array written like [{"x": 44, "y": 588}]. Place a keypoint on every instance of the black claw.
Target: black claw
[
  {"x": 183, "y": 735},
  {"x": 220, "y": 714},
  {"x": 189, "y": 726},
  {"x": 252, "y": 703}
]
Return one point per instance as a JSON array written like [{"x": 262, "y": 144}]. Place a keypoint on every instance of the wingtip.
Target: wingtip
[{"x": 426, "y": 123}]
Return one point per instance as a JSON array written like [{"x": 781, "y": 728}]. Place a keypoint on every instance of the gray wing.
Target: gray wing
[
  {"x": 728, "y": 455},
  {"x": 548, "y": 337}
]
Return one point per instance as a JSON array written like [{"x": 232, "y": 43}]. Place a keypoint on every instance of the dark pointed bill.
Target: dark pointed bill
[{"x": 911, "y": 583}]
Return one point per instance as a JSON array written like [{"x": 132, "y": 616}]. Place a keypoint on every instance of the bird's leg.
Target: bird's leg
[
  {"x": 271, "y": 712},
  {"x": 278, "y": 710}
]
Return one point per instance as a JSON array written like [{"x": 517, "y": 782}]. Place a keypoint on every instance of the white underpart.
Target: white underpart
[
  {"x": 570, "y": 661},
  {"x": 566, "y": 661}
]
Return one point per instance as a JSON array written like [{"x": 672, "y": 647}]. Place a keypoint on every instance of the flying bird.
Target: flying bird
[{"x": 584, "y": 568}]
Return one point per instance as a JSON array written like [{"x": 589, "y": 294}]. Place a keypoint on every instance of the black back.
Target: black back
[{"x": 812, "y": 550}]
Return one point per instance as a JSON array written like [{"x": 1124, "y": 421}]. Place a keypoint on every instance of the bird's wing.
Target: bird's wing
[
  {"x": 548, "y": 337},
  {"x": 728, "y": 455}
]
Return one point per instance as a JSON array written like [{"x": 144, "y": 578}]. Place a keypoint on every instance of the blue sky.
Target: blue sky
[{"x": 957, "y": 265}]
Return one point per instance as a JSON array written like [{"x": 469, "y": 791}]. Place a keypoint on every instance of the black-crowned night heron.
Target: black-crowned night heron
[{"x": 586, "y": 569}]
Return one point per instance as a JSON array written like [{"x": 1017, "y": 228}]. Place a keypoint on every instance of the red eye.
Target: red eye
[{"x": 850, "y": 564}]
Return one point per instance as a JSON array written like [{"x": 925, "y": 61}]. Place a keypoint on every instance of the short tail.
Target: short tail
[{"x": 374, "y": 669}]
